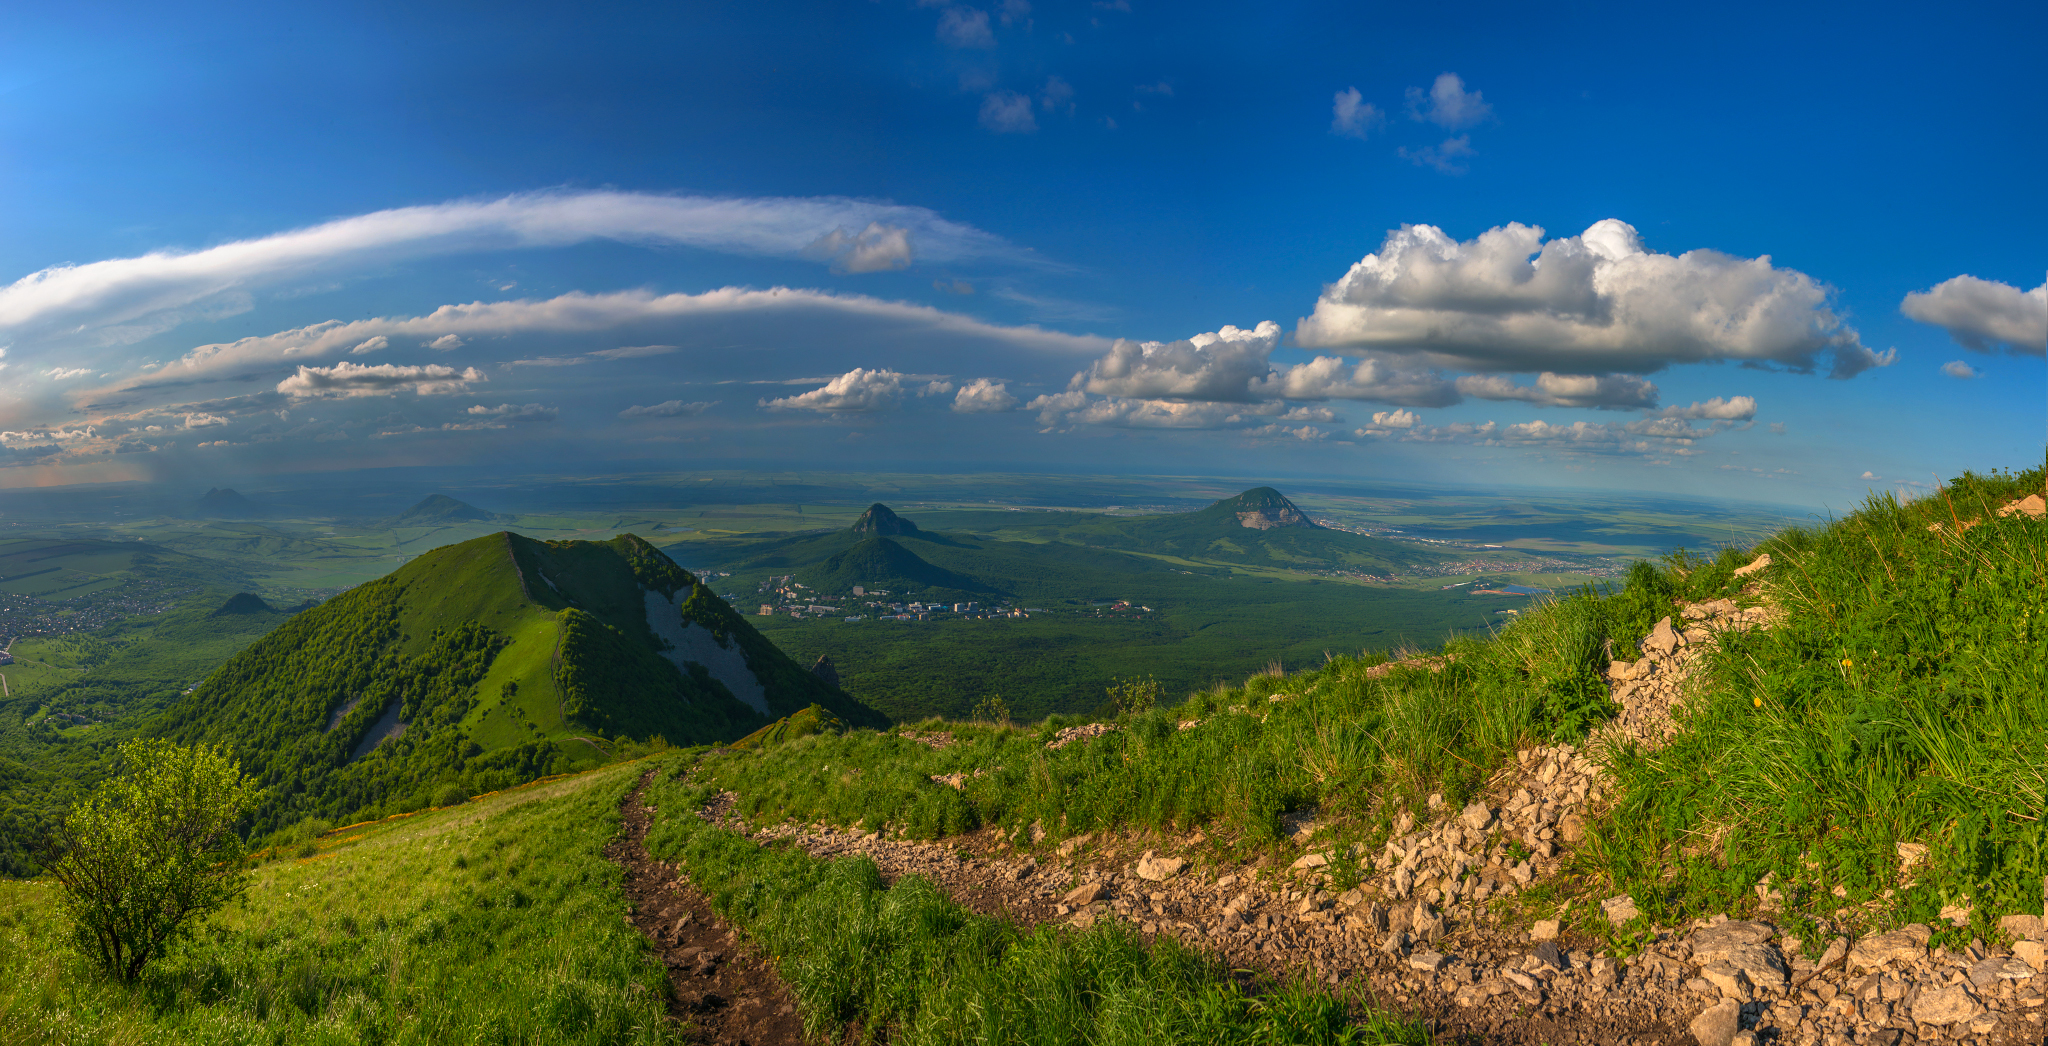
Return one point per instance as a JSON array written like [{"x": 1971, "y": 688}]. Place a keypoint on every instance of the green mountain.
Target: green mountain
[
  {"x": 244, "y": 603},
  {"x": 489, "y": 662},
  {"x": 224, "y": 503},
  {"x": 439, "y": 510},
  {"x": 878, "y": 562}
]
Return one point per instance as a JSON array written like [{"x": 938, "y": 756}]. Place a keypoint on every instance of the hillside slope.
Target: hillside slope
[{"x": 489, "y": 662}]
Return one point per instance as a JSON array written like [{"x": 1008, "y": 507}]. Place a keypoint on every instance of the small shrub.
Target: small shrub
[
  {"x": 1134, "y": 696},
  {"x": 450, "y": 795}
]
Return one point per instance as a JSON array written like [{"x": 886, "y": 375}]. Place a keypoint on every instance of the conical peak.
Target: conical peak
[
  {"x": 1263, "y": 508},
  {"x": 880, "y": 519}
]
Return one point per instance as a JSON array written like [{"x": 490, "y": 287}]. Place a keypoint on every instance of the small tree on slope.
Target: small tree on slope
[{"x": 151, "y": 851}]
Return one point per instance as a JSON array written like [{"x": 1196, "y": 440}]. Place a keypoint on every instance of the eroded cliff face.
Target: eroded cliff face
[{"x": 1282, "y": 515}]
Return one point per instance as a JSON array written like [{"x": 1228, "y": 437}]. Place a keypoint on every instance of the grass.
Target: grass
[
  {"x": 1905, "y": 699},
  {"x": 903, "y": 963},
  {"x": 497, "y": 921}
]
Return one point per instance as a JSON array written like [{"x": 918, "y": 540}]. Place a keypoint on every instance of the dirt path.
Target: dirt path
[{"x": 718, "y": 989}]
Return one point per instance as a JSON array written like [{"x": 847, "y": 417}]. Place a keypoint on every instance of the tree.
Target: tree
[{"x": 151, "y": 851}]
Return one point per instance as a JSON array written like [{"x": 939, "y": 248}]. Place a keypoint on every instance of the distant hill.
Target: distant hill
[
  {"x": 878, "y": 562},
  {"x": 224, "y": 503},
  {"x": 244, "y": 603},
  {"x": 1260, "y": 508},
  {"x": 440, "y": 509},
  {"x": 881, "y": 520},
  {"x": 486, "y": 663}
]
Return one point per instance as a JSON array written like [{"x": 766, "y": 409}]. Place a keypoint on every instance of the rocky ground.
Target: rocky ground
[{"x": 1419, "y": 935}]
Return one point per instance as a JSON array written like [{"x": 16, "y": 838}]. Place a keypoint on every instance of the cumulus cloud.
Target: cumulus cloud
[
  {"x": 1074, "y": 407},
  {"x": 1372, "y": 379},
  {"x": 1007, "y": 112},
  {"x": 668, "y": 409},
  {"x": 1217, "y": 367},
  {"x": 204, "y": 421},
  {"x": 1446, "y": 157},
  {"x": 371, "y": 345},
  {"x": 1507, "y": 300},
  {"x": 1984, "y": 314},
  {"x": 515, "y": 413},
  {"x": 1447, "y": 104},
  {"x": 965, "y": 27},
  {"x": 1958, "y": 369},
  {"x": 1353, "y": 117},
  {"x": 857, "y": 391},
  {"x": 984, "y": 396},
  {"x": 877, "y": 248},
  {"x": 1395, "y": 419},
  {"x": 1731, "y": 408},
  {"x": 347, "y": 380},
  {"x": 1595, "y": 391},
  {"x": 101, "y": 296}
]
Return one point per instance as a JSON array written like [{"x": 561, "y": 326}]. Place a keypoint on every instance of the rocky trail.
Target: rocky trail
[
  {"x": 1418, "y": 936},
  {"x": 719, "y": 991}
]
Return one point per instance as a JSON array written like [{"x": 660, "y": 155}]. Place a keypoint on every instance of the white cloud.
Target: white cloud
[
  {"x": 1595, "y": 391},
  {"x": 1372, "y": 379},
  {"x": 854, "y": 392},
  {"x": 1447, "y": 157},
  {"x": 515, "y": 413},
  {"x": 445, "y": 342},
  {"x": 347, "y": 380},
  {"x": 936, "y": 388},
  {"x": 204, "y": 421},
  {"x": 1058, "y": 94},
  {"x": 1867, "y": 474},
  {"x": 633, "y": 352},
  {"x": 66, "y": 373},
  {"x": 1353, "y": 117},
  {"x": 166, "y": 286},
  {"x": 1984, "y": 314},
  {"x": 1395, "y": 419},
  {"x": 370, "y": 345},
  {"x": 1593, "y": 303},
  {"x": 1305, "y": 433},
  {"x": 1732, "y": 408},
  {"x": 1447, "y": 104},
  {"x": 668, "y": 409},
  {"x": 1216, "y": 367},
  {"x": 1958, "y": 369},
  {"x": 965, "y": 27},
  {"x": 1075, "y": 408},
  {"x": 1007, "y": 112},
  {"x": 584, "y": 313},
  {"x": 877, "y": 248},
  {"x": 1014, "y": 11},
  {"x": 984, "y": 396}
]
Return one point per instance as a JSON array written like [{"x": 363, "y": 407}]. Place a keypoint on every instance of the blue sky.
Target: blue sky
[{"x": 1765, "y": 252}]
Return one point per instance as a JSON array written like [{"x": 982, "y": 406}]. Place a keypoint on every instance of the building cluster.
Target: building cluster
[
  {"x": 786, "y": 595},
  {"x": 22, "y": 615}
]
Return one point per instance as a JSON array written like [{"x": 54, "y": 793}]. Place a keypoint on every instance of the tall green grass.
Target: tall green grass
[
  {"x": 1904, "y": 699},
  {"x": 1336, "y": 738},
  {"x": 907, "y": 965},
  {"x": 494, "y": 922}
]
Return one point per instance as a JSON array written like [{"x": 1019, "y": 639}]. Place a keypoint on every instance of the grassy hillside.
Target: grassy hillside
[
  {"x": 494, "y": 921},
  {"x": 475, "y": 666},
  {"x": 1901, "y": 699}
]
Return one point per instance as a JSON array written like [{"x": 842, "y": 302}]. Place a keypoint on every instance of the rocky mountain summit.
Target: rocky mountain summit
[{"x": 882, "y": 521}]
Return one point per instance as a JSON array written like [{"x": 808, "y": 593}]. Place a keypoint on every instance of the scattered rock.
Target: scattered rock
[
  {"x": 1997, "y": 968},
  {"x": 1087, "y": 893},
  {"x": 1717, "y": 1026},
  {"x": 2033, "y": 506},
  {"x": 1160, "y": 869},
  {"x": 1904, "y": 945},
  {"x": 1945, "y": 1006},
  {"x": 1308, "y": 861},
  {"x": 1477, "y": 816},
  {"x": 1084, "y": 732},
  {"x": 1427, "y": 961},
  {"x": 1754, "y": 565},
  {"x": 2033, "y": 953},
  {"x": 2022, "y": 927},
  {"x": 1545, "y": 929},
  {"x": 1620, "y": 909},
  {"x": 1662, "y": 641}
]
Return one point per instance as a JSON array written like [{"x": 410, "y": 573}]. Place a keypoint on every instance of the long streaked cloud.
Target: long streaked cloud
[
  {"x": 1984, "y": 314},
  {"x": 1591, "y": 391},
  {"x": 578, "y": 313},
  {"x": 1598, "y": 302},
  {"x": 853, "y": 235},
  {"x": 347, "y": 380}
]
